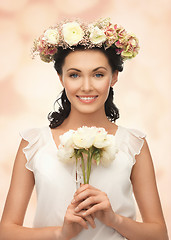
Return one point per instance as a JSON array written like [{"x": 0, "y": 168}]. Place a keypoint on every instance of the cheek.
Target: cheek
[
  {"x": 70, "y": 88},
  {"x": 104, "y": 87}
]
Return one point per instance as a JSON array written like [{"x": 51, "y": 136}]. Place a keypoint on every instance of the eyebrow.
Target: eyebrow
[{"x": 80, "y": 70}]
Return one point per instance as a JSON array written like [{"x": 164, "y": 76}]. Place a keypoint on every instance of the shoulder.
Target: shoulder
[
  {"x": 33, "y": 139},
  {"x": 31, "y": 133},
  {"x": 131, "y": 141},
  {"x": 133, "y": 131}
]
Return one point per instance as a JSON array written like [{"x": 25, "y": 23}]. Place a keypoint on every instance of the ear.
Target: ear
[{"x": 114, "y": 78}]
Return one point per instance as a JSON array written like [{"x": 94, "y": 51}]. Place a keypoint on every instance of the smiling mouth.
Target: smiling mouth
[
  {"x": 88, "y": 96},
  {"x": 87, "y": 99}
]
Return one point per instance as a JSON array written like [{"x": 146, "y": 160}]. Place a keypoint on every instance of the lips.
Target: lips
[
  {"x": 84, "y": 96},
  {"x": 87, "y": 98}
]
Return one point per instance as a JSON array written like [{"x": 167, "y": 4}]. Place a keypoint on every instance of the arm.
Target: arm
[
  {"x": 21, "y": 187},
  {"x": 146, "y": 194},
  {"x": 147, "y": 197},
  {"x": 19, "y": 194}
]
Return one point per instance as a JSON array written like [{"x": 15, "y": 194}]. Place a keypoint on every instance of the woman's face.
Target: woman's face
[{"x": 87, "y": 77}]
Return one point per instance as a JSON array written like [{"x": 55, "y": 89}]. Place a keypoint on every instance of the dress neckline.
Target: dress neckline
[{"x": 57, "y": 147}]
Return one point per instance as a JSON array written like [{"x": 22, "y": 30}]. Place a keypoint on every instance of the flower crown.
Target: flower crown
[{"x": 98, "y": 34}]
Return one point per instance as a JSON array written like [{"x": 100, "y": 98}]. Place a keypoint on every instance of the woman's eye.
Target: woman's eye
[
  {"x": 74, "y": 75},
  {"x": 99, "y": 75}
]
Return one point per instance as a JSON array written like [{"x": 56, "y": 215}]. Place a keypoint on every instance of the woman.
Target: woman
[{"x": 87, "y": 60}]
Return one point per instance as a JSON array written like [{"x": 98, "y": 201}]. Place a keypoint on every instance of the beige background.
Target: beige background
[{"x": 29, "y": 87}]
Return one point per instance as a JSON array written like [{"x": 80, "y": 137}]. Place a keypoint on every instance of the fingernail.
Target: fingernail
[{"x": 73, "y": 201}]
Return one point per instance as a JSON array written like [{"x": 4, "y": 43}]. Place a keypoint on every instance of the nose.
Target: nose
[{"x": 86, "y": 84}]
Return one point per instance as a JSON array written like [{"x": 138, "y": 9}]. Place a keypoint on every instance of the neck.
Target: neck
[{"x": 77, "y": 119}]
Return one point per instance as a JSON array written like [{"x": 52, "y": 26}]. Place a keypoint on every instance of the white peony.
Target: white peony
[
  {"x": 84, "y": 137},
  {"x": 72, "y": 33},
  {"x": 66, "y": 148},
  {"x": 51, "y": 36},
  {"x": 109, "y": 154},
  {"x": 105, "y": 159},
  {"x": 101, "y": 139},
  {"x": 97, "y": 35},
  {"x": 66, "y": 155},
  {"x": 66, "y": 139}
]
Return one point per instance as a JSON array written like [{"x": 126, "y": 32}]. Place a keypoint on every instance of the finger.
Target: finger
[
  {"x": 93, "y": 209},
  {"x": 89, "y": 218},
  {"x": 83, "y": 188},
  {"x": 77, "y": 219},
  {"x": 75, "y": 203},
  {"x": 93, "y": 215},
  {"x": 84, "y": 194},
  {"x": 88, "y": 203},
  {"x": 91, "y": 221}
]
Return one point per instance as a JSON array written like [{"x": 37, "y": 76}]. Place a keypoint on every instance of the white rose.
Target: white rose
[
  {"x": 72, "y": 33},
  {"x": 97, "y": 35},
  {"x": 84, "y": 137},
  {"x": 51, "y": 36}
]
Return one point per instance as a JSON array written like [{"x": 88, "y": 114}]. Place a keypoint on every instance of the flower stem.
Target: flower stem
[
  {"x": 83, "y": 167},
  {"x": 77, "y": 186},
  {"x": 89, "y": 160},
  {"x": 87, "y": 167}
]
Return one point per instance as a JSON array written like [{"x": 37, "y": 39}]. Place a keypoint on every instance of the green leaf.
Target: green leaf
[
  {"x": 97, "y": 161},
  {"x": 97, "y": 156}
]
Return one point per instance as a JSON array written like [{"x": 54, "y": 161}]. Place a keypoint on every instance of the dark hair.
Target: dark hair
[{"x": 112, "y": 112}]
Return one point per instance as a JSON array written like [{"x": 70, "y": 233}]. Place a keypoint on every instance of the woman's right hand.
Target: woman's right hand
[{"x": 74, "y": 223}]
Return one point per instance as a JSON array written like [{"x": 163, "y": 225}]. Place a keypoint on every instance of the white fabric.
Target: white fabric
[{"x": 55, "y": 181}]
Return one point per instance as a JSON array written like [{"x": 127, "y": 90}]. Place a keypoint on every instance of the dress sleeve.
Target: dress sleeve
[
  {"x": 32, "y": 137},
  {"x": 135, "y": 142}
]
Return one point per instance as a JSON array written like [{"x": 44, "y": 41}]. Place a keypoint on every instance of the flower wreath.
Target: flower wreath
[{"x": 98, "y": 34}]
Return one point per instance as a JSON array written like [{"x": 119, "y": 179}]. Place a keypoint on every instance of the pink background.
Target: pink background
[{"x": 29, "y": 87}]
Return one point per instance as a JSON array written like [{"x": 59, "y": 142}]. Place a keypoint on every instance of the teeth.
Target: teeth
[{"x": 87, "y": 98}]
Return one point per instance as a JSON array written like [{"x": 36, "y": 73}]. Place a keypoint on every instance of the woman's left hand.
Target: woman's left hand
[{"x": 95, "y": 202}]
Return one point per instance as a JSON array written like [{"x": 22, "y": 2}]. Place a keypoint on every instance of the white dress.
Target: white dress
[{"x": 55, "y": 181}]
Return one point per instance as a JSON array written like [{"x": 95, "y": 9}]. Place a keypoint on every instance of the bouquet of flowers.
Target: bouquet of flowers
[{"x": 94, "y": 143}]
